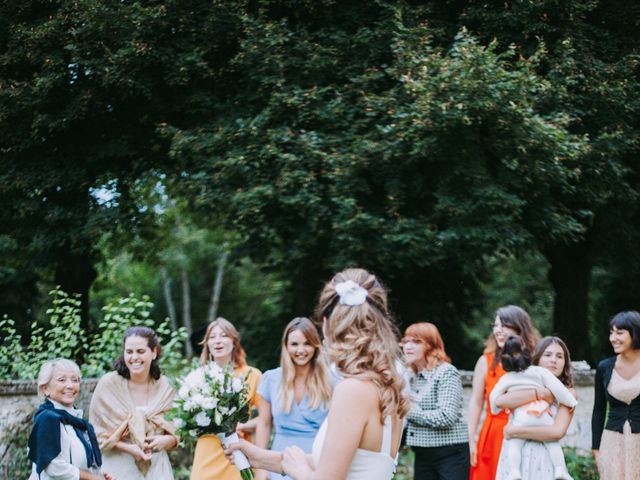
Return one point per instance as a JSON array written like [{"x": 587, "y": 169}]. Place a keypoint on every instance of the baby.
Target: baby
[{"x": 521, "y": 375}]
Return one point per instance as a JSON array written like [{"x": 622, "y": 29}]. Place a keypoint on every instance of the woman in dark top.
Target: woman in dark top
[{"x": 617, "y": 448}]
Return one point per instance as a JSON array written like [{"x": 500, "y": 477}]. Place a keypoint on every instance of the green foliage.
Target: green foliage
[
  {"x": 404, "y": 470},
  {"x": 580, "y": 465},
  {"x": 106, "y": 345},
  {"x": 11, "y": 353},
  {"x": 417, "y": 139},
  {"x": 520, "y": 280},
  {"x": 62, "y": 337}
]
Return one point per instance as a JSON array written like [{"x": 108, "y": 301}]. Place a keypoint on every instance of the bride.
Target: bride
[{"x": 360, "y": 437}]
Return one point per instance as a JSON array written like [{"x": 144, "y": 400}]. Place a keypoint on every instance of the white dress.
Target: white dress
[
  {"x": 535, "y": 463},
  {"x": 366, "y": 464},
  {"x": 122, "y": 466}
]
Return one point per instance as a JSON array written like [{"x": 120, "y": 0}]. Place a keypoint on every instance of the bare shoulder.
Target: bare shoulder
[{"x": 355, "y": 390}]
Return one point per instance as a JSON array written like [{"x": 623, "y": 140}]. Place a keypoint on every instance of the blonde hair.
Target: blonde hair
[
  {"x": 318, "y": 385},
  {"x": 362, "y": 340},
  {"x": 238, "y": 355},
  {"x": 46, "y": 370}
]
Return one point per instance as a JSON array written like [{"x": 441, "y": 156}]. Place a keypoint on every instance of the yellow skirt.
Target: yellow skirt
[{"x": 209, "y": 462}]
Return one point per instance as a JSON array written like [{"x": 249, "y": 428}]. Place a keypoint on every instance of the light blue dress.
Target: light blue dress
[{"x": 298, "y": 427}]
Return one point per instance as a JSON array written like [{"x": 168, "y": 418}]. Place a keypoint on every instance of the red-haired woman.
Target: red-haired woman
[
  {"x": 485, "y": 453},
  {"x": 436, "y": 429},
  {"x": 221, "y": 344}
]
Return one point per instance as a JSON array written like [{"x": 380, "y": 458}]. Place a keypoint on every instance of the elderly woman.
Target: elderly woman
[{"x": 62, "y": 445}]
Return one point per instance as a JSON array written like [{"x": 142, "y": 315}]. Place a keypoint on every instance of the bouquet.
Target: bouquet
[{"x": 210, "y": 400}]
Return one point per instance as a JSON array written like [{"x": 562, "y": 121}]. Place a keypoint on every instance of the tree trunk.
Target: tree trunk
[
  {"x": 217, "y": 286},
  {"x": 570, "y": 275},
  {"x": 166, "y": 289},
  {"x": 186, "y": 310}
]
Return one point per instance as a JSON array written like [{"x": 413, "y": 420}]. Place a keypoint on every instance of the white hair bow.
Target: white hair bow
[{"x": 351, "y": 293}]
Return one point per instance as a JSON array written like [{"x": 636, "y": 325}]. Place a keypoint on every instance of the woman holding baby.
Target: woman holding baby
[{"x": 534, "y": 453}]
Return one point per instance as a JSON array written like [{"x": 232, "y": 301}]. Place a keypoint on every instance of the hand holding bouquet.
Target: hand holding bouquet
[{"x": 210, "y": 400}]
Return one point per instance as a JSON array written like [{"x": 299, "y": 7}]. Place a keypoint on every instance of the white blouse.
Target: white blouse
[{"x": 72, "y": 456}]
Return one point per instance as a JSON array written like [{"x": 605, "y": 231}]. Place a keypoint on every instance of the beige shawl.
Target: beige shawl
[{"x": 114, "y": 416}]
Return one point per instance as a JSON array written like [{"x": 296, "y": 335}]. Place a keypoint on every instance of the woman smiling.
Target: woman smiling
[
  {"x": 128, "y": 408},
  {"x": 221, "y": 344},
  {"x": 294, "y": 397},
  {"x": 617, "y": 385},
  {"x": 62, "y": 446}
]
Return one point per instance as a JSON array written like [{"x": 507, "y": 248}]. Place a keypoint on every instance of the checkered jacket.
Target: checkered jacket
[{"x": 436, "y": 418}]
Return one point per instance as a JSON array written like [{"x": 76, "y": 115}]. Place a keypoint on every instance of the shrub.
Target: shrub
[
  {"x": 580, "y": 466},
  {"x": 61, "y": 335}
]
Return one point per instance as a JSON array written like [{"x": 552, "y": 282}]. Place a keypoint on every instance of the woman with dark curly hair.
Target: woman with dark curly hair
[{"x": 127, "y": 410}]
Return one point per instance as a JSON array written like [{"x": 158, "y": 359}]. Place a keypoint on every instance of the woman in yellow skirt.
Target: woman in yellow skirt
[{"x": 221, "y": 344}]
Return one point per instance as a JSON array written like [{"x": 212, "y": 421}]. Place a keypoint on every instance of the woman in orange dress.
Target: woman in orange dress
[
  {"x": 485, "y": 453},
  {"x": 221, "y": 344}
]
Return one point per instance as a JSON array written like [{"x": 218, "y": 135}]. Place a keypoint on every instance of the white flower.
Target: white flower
[
  {"x": 189, "y": 405},
  {"x": 224, "y": 410},
  {"x": 196, "y": 379},
  {"x": 351, "y": 293},
  {"x": 209, "y": 403},
  {"x": 178, "y": 423},
  {"x": 202, "y": 419},
  {"x": 198, "y": 399},
  {"x": 236, "y": 385},
  {"x": 183, "y": 392}
]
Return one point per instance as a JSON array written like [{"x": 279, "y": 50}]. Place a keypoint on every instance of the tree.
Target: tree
[
  {"x": 85, "y": 87},
  {"x": 592, "y": 62},
  {"x": 364, "y": 144}
]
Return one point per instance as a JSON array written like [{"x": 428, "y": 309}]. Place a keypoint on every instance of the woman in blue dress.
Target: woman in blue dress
[{"x": 294, "y": 397}]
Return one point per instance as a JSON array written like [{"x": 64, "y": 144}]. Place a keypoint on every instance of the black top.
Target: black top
[{"x": 619, "y": 412}]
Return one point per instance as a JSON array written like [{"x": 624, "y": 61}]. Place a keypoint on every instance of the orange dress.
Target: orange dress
[
  {"x": 209, "y": 462},
  {"x": 492, "y": 432}
]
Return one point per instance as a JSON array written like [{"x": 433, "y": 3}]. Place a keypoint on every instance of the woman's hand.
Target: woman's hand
[
  {"x": 473, "y": 453},
  {"x": 107, "y": 476},
  {"x": 137, "y": 453},
  {"x": 258, "y": 457},
  {"x": 296, "y": 464},
  {"x": 158, "y": 443},
  {"x": 260, "y": 475},
  {"x": 596, "y": 457},
  {"x": 244, "y": 430},
  {"x": 545, "y": 394},
  {"x": 508, "y": 432}
]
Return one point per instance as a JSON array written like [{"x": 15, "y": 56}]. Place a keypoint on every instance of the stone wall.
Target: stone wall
[{"x": 18, "y": 401}]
